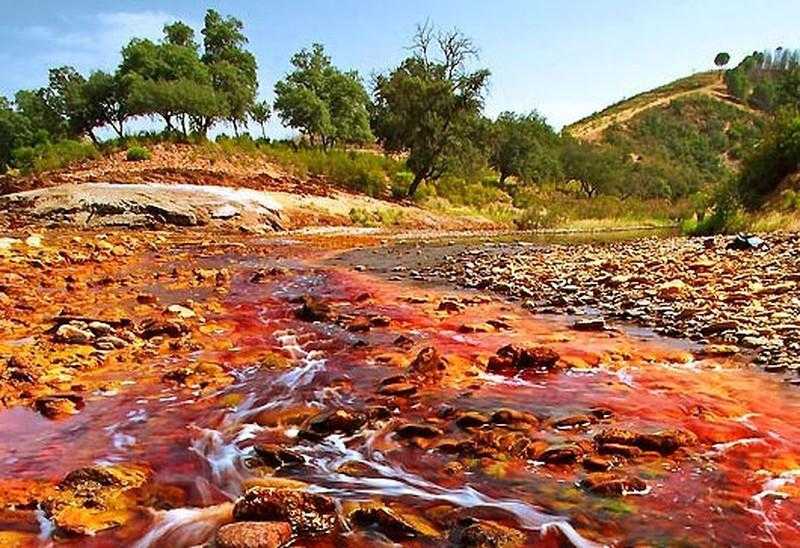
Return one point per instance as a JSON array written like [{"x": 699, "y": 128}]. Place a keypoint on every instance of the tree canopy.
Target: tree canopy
[
  {"x": 524, "y": 146},
  {"x": 323, "y": 102},
  {"x": 423, "y": 106}
]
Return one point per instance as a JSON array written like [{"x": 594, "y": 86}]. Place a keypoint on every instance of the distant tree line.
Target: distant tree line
[
  {"x": 767, "y": 80},
  {"x": 429, "y": 109}
]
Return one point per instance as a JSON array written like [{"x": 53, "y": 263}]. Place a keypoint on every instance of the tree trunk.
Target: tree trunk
[
  {"x": 503, "y": 177},
  {"x": 183, "y": 126},
  {"x": 235, "y": 127},
  {"x": 412, "y": 189},
  {"x": 263, "y": 132},
  {"x": 93, "y": 137}
]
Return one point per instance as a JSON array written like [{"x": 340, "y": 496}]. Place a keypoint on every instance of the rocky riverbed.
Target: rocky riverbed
[
  {"x": 225, "y": 389},
  {"x": 733, "y": 301}
]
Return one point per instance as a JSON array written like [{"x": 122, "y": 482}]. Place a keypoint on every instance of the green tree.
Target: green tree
[
  {"x": 422, "y": 106},
  {"x": 321, "y": 101},
  {"x": 722, "y": 59},
  {"x": 180, "y": 34},
  {"x": 233, "y": 69},
  {"x": 40, "y": 115},
  {"x": 170, "y": 80},
  {"x": 596, "y": 169},
  {"x": 15, "y": 131},
  {"x": 524, "y": 146},
  {"x": 260, "y": 113}
]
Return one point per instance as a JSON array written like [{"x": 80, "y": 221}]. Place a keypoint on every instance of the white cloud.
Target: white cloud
[{"x": 94, "y": 41}]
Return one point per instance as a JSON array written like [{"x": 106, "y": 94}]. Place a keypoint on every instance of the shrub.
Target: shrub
[
  {"x": 47, "y": 156},
  {"x": 380, "y": 217},
  {"x": 137, "y": 154}
]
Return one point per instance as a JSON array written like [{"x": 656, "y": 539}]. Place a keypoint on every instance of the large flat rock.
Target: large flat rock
[{"x": 114, "y": 204}]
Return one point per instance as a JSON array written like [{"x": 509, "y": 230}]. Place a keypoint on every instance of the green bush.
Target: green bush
[
  {"x": 137, "y": 154},
  {"x": 49, "y": 156},
  {"x": 380, "y": 217}
]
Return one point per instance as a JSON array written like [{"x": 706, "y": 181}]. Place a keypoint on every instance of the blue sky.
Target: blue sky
[{"x": 565, "y": 59}]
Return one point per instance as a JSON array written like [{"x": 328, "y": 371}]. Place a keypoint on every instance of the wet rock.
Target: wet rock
[
  {"x": 73, "y": 333},
  {"x": 93, "y": 499},
  {"x": 276, "y": 456},
  {"x": 427, "y": 362},
  {"x": 512, "y": 357},
  {"x": 592, "y": 324},
  {"x": 561, "y": 454},
  {"x": 574, "y": 421},
  {"x": 449, "y": 305},
  {"x": 159, "y": 328},
  {"x": 398, "y": 389},
  {"x": 337, "y": 421},
  {"x": 394, "y": 524},
  {"x": 468, "y": 328},
  {"x": 594, "y": 463},
  {"x": 357, "y": 469},
  {"x": 59, "y": 406},
  {"x": 719, "y": 350},
  {"x": 313, "y": 310},
  {"x": 472, "y": 419},
  {"x": 512, "y": 416},
  {"x": 305, "y": 512},
  {"x": 601, "y": 413},
  {"x": 475, "y": 533},
  {"x": 719, "y": 327},
  {"x": 610, "y": 484},
  {"x": 417, "y": 430},
  {"x": 627, "y": 451},
  {"x": 403, "y": 341},
  {"x": 262, "y": 276},
  {"x": 380, "y": 321},
  {"x": 359, "y": 325},
  {"x": 146, "y": 298},
  {"x": 665, "y": 442},
  {"x": 254, "y": 534}
]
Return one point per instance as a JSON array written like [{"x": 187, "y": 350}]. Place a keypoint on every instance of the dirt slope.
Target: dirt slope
[
  {"x": 709, "y": 84},
  {"x": 186, "y": 182}
]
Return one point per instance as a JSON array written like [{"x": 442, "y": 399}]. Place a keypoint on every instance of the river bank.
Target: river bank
[
  {"x": 182, "y": 388},
  {"x": 732, "y": 301}
]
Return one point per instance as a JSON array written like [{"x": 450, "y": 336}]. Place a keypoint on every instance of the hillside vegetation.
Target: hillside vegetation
[{"x": 418, "y": 134}]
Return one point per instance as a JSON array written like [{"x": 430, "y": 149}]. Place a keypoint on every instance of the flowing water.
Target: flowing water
[{"x": 736, "y": 486}]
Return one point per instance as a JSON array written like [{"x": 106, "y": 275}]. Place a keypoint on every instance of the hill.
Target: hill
[
  {"x": 685, "y": 136},
  {"x": 709, "y": 83}
]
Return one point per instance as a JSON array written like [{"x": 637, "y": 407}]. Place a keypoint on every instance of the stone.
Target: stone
[
  {"x": 307, "y": 513},
  {"x": 593, "y": 324},
  {"x": 417, "y": 430},
  {"x": 511, "y": 358},
  {"x": 96, "y": 498},
  {"x": 561, "y": 454},
  {"x": 574, "y": 421},
  {"x": 254, "y": 534},
  {"x": 276, "y": 456},
  {"x": 313, "y": 310},
  {"x": 72, "y": 334},
  {"x": 151, "y": 328},
  {"x": 337, "y": 421},
  {"x": 398, "y": 389},
  {"x": 394, "y": 524},
  {"x": 627, "y": 451},
  {"x": 610, "y": 484},
  {"x": 472, "y": 419},
  {"x": 59, "y": 406},
  {"x": 427, "y": 362},
  {"x": 476, "y": 533}
]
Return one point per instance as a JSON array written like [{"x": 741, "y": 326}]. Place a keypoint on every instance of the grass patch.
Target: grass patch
[
  {"x": 50, "y": 156},
  {"x": 374, "y": 218},
  {"x": 137, "y": 154}
]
